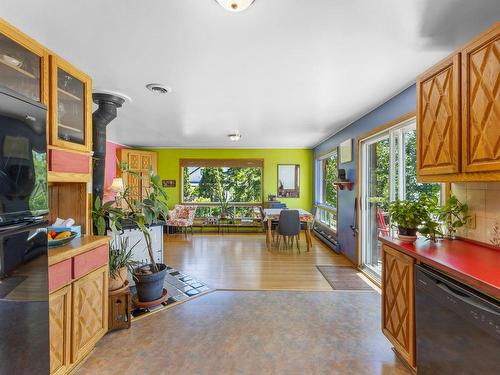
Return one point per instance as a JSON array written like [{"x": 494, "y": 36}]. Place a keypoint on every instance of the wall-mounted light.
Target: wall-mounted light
[
  {"x": 235, "y": 137},
  {"x": 235, "y": 5}
]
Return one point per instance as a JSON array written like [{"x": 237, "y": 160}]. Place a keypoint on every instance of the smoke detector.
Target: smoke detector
[{"x": 158, "y": 88}]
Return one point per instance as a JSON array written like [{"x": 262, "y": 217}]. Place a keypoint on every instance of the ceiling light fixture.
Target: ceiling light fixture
[
  {"x": 235, "y": 137},
  {"x": 158, "y": 88},
  {"x": 235, "y": 5}
]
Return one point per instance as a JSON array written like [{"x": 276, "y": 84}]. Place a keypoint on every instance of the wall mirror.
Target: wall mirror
[{"x": 288, "y": 181}]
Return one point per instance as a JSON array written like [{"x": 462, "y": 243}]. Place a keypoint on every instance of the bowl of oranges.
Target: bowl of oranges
[{"x": 60, "y": 237}]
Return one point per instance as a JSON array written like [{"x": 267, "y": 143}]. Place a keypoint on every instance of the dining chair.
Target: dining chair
[{"x": 288, "y": 228}]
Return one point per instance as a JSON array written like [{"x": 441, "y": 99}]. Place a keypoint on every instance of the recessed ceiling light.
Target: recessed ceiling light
[
  {"x": 235, "y": 5},
  {"x": 158, "y": 88},
  {"x": 235, "y": 137}
]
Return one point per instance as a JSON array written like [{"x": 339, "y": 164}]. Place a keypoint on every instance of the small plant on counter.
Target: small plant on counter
[
  {"x": 453, "y": 214},
  {"x": 408, "y": 216}
]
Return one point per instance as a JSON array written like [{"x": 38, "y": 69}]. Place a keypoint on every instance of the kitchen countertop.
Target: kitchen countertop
[
  {"x": 473, "y": 264},
  {"x": 75, "y": 247}
]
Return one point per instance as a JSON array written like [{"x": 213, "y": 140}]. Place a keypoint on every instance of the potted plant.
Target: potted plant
[
  {"x": 149, "y": 278},
  {"x": 453, "y": 215},
  {"x": 407, "y": 216},
  {"x": 120, "y": 262}
]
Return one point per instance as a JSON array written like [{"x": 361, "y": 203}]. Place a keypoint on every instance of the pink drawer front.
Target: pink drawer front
[
  {"x": 89, "y": 261},
  {"x": 60, "y": 274}
]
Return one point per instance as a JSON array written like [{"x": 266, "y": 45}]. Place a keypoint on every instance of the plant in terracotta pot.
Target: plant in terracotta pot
[
  {"x": 407, "y": 216},
  {"x": 120, "y": 262}
]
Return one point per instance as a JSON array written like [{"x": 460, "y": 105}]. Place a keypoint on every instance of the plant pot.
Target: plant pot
[
  {"x": 118, "y": 281},
  {"x": 150, "y": 286},
  {"x": 407, "y": 234}
]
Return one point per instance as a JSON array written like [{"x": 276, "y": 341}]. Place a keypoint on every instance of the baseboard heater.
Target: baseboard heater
[{"x": 327, "y": 238}]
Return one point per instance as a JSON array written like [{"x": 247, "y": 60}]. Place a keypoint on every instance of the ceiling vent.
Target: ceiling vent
[{"x": 158, "y": 88}]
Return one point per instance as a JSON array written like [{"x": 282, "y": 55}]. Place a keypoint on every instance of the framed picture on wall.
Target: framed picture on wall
[{"x": 345, "y": 151}]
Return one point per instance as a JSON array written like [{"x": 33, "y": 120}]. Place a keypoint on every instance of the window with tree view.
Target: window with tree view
[
  {"x": 327, "y": 202},
  {"x": 233, "y": 188}
]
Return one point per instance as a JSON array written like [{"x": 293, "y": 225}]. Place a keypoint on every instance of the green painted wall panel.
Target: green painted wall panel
[{"x": 168, "y": 168}]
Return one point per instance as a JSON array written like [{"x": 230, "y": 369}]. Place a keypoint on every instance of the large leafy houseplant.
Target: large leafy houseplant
[
  {"x": 453, "y": 214},
  {"x": 141, "y": 213},
  {"x": 120, "y": 261}
]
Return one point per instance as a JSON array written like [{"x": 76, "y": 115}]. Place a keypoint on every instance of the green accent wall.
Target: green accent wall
[{"x": 168, "y": 168}]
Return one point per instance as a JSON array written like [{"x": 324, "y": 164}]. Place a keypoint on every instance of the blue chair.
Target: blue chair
[{"x": 289, "y": 229}]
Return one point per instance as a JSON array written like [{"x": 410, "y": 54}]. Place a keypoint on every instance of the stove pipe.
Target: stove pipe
[{"x": 108, "y": 104}]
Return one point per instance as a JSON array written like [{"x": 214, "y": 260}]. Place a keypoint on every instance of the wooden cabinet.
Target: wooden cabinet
[
  {"x": 23, "y": 64},
  {"x": 438, "y": 113},
  {"x": 458, "y": 114},
  {"x": 481, "y": 103},
  {"x": 70, "y": 106},
  {"x": 78, "y": 301},
  {"x": 90, "y": 312},
  {"x": 398, "y": 302},
  {"x": 140, "y": 162},
  {"x": 60, "y": 330}
]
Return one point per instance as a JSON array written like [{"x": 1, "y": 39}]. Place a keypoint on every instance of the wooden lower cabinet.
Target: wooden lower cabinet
[
  {"x": 60, "y": 330},
  {"x": 398, "y": 302},
  {"x": 90, "y": 312}
]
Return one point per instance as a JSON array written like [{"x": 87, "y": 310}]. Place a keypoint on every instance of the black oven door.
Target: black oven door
[{"x": 24, "y": 307}]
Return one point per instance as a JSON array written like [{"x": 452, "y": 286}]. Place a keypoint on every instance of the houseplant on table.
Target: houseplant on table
[{"x": 407, "y": 216}]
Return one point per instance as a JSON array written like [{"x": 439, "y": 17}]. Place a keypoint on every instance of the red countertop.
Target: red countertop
[{"x": 473, "y": 264}]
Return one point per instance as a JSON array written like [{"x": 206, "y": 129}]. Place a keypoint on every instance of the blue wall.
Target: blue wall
[{"x": 398, "y": 106}]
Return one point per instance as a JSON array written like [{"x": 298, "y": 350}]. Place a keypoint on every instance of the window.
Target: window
[
  {"x": 210, "y": 182},
  {"x": 326, "y": 200}
]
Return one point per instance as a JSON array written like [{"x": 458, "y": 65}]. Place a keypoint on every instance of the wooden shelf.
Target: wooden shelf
[
  {"x": 69, "y": 95},
  {"x": 69, "y": 128},
  {"x": 344, "y": 184},
  {"x": 69, "y": 177},
  {"x": 19, "y": 70}
]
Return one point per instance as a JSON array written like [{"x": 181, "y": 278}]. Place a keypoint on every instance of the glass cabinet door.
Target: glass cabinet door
[
  {"x": 70, "y": 108},
  {"x": 20, "y": 69}
]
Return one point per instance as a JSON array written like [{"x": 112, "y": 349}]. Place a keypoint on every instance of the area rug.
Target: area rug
[
  {"x": 343, "y": 278},
  {"x": 180, "y": 288}
]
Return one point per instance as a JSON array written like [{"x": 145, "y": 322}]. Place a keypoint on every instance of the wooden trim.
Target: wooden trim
[
  {"x": 241, "y": 163},
  {"x": 323, "y": 154},
  {"x": 463, "y": 177},
  {"x": 388, "y": 125},
  {"x": 68, "y": 177},
  {"x": 57, "y": 62}
]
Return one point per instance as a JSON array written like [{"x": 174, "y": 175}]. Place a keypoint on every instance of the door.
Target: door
[
  {"x": 70, "y": 106},
  {"x": 90, "y": 312},
  {"x": 398, "y": 310},
  {"x": 60, "y": 330},
  {"x": 438, "y": 119},
  {"x": 388, "y": 172},
  {"x": 481, "y": 103}
]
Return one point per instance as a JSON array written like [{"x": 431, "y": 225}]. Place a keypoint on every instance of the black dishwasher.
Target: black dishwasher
[{"x": 458, "y": 328}]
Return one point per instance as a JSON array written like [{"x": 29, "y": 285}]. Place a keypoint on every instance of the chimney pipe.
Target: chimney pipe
[{"x": 108, "y": 104}]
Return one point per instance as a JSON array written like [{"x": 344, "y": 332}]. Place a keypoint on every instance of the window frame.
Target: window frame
[
  {"x": 221, "y": 163},
  {"x": 320, "y": 191}
]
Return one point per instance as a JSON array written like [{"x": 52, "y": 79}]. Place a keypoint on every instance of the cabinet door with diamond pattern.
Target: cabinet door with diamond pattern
[
  {"x": 90, "y": 312},
  {"x": 398, "y": 302},
  {"x": 438, "y": 119},
  {"x": 481, "y": 103},
  {"x": 60, "y": 330}
]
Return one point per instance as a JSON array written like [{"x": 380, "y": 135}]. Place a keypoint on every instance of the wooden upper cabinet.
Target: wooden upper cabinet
[
  {"x": 481, "y": 103},
  {"x": 70, "y": 106},
  {"x": 438, "y": 118},
  {"x": 23, "y": 64}
]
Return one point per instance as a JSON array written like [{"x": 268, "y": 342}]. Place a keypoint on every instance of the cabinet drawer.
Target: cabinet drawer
[
  {"x": 89, "y": 261},
  {"x": 68, "y": 162},
  {"x": 60, "y": 274}
]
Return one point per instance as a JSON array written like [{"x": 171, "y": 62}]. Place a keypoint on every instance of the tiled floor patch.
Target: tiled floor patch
[{"x": 180, "y": 287}]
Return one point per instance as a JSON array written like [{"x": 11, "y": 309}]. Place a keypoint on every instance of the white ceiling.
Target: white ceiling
[{"x": 285, "y": 73}]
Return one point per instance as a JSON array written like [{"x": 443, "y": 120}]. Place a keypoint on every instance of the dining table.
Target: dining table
[{"x": 273, "y": 215}]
